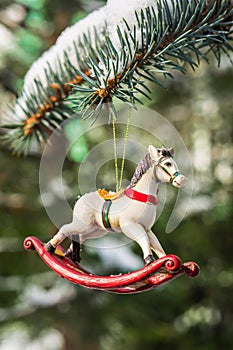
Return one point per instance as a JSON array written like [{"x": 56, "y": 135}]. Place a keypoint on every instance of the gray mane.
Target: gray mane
[{"x": 141, "y": 169}]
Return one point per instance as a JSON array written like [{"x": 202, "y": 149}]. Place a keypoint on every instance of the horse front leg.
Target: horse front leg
[
  {"x": 137, "y": 233},
  {"x": 155, "y": 244}
]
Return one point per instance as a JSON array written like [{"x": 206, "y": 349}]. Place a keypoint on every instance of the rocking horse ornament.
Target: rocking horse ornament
[{"x": 131, "y": 211}]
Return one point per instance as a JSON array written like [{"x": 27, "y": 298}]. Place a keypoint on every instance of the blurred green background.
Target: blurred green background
[{"x": 38, "y": 310}]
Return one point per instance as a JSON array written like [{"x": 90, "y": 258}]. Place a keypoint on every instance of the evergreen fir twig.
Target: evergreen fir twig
[
  {"x": 187, "y": 36},
  {"x": 161, "y": 42}
]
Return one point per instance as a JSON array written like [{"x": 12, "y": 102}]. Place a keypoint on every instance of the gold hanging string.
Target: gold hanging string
[
  {"x": 119, "y": 179},
  {"x": 115, "y": 153},
  {"x": 125, "y": 147}
]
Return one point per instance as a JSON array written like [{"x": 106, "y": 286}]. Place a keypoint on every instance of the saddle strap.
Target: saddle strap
[
  {"x": 141, "y": 197},
  {"x": 105, "y": 213}
]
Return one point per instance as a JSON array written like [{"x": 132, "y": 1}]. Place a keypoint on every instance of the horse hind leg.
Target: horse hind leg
[
  {"x": 92, "y": 234},
  {"x": 74, "y": 251},
  {"x": 65, "y": 231}
]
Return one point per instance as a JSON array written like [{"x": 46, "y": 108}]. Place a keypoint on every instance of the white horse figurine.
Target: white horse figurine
[{"x": 131, "y": 211}]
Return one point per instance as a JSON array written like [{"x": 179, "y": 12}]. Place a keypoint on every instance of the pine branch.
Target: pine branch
[
  {"x": 162, "y": 40},
  {"x": 188, "y": 35}
]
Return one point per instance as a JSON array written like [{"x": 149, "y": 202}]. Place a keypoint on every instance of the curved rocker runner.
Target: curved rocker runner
[{"x": 151, "y": 276}]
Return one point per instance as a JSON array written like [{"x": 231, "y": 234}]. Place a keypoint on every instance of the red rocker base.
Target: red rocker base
[{"x": 149, "y": 277}]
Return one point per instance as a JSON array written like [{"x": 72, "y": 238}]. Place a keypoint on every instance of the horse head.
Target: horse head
[{"x": 165, "y": 168}]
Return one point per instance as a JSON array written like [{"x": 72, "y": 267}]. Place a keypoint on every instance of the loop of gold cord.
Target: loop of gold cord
[
  {"x": 125, "y": 147},
  {"x": 115, "y": 154},
  {"x": 119, "y": 180}
]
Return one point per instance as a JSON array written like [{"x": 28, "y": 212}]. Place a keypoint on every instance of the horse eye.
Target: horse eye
[{"x": 168, "y": 164}]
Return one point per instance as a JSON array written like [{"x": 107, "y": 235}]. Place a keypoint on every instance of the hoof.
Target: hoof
[
  {"x": 76, "y": 258},
  {"x": 149, "y": 259},
  {"x": 49, "y": 248}
]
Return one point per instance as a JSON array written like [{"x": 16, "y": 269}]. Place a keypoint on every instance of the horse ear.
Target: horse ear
[
  {"x": 171, "y": 150},
  {"x": 154, "y": 152}
]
